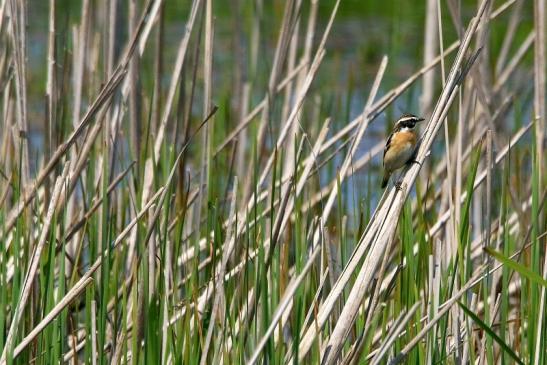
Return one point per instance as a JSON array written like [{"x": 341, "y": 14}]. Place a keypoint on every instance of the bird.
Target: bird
[{"x": 400, "y": 145}]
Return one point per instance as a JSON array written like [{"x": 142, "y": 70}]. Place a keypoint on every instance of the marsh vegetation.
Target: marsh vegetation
[{"x": 199, "y": 182}]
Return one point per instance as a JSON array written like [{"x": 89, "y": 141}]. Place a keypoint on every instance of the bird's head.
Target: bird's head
[{"x": 407, "y": 121}]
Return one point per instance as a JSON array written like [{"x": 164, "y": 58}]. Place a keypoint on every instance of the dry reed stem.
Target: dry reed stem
[
  {"x": 94, "y": 353},
  {"x": 17, "y": 33},
  {"x": 444, "y": 309},
  {"x": 219, "y": 284},
  {"x": 475, "y": 100},
  {"x": 292, "y": 118},
  {"x": 103, "y": 98},
  {"x": 69, "y": 297},
  {"x": 443, "y": 218},
  {"x": 540, "y": 64},
  {"x": 33, "y": 266},
  {"x": 376, "y": 108},
  {"x": 390, "y": 216},
  {"x": 396, "y": 329},
  {"x": 284, "y": 302},
  {"x": 177, "y": 69}
]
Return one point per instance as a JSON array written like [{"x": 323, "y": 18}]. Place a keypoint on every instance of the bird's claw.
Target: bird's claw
[{"x": 416, "y": 162}]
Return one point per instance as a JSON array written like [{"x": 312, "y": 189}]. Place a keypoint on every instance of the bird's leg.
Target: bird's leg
[
  {"x": 399, "y": 183},
  {"x": 413, "y": 158},
  {"x": 400, "y": 186}
]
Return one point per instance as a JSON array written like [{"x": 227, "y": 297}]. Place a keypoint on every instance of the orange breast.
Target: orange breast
[
  {"x": 401, "y": 149},
  {"x": 403, "y": 137}
]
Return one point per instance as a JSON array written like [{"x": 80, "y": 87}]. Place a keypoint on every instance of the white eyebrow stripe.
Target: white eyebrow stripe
[{"x": 407, "y": 119}]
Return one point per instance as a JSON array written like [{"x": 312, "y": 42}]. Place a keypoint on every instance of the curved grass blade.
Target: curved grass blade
[
  {"x": 518, "y": 267},
  {"x": 491, "y": 333}
]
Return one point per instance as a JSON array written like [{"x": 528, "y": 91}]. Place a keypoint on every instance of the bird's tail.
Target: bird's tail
[{"x": 385, "y": 179}]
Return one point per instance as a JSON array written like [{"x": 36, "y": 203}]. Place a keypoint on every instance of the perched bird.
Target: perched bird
[{"x": 400, "y": 145}]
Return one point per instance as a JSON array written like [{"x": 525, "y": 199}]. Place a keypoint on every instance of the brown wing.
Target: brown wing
[{"x": 388, "y": 144}]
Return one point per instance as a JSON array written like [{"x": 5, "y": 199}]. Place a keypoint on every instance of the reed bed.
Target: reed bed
[{"x": 207, "y": 185}]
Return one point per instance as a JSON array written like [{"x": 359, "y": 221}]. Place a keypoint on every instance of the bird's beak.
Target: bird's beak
[{"x": 421, "y": 119}]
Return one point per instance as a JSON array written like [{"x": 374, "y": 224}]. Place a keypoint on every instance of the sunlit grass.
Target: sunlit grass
[{"x": 214, "y": 196}]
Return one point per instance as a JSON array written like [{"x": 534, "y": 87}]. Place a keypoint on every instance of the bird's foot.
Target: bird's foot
[{"x": 414, "y": 161}]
